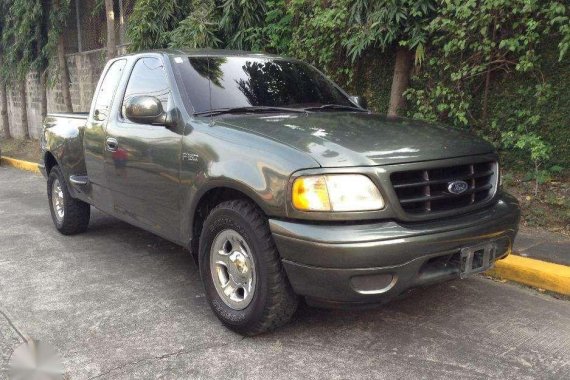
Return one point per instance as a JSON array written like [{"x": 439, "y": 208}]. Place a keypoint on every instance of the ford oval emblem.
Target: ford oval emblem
[{"x": 457, "y": 187}]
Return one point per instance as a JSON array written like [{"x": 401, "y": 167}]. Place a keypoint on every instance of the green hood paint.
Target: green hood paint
[{"x": 343, "y": 139}]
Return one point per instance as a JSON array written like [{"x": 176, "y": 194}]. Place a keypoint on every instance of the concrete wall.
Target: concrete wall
[{"x": 84, "y": 70}]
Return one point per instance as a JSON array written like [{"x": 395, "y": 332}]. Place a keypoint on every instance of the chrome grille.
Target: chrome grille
[{"x": 425, "y": 191}]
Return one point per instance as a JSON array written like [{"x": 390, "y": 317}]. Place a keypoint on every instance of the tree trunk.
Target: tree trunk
[
  {"x": 400, "y": 80},
  {"x": 111, "y": 43},
  {"x": 121, "y": 23},
  {"x": 24, "y": 108},
  {"x": 64, "y": 74},
  {"x": 43, "y": 93},
  {"x": 5, "y": 121},
  {"x": 4, "y": 105}
]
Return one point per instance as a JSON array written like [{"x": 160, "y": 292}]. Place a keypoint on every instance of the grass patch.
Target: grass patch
[
  {"x": 549, "y": 209},
  {"x": 22, "y": 149}
]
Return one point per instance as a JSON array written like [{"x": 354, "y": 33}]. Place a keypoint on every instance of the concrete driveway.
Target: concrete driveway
[{"x": 118, "y": 302}]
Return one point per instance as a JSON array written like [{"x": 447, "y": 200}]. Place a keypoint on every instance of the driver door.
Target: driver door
[{"x": 142, "y": 160}]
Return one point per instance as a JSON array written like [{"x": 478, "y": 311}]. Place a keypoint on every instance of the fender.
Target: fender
[
  {"x": 205, "y": 189},
  {"x": 62, "y": 137},
  {"x": 252, "y": 165}
]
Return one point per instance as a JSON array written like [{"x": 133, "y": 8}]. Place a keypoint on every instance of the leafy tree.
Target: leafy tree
[
  {"x": 241, "y": 20},
  {"x": 58, "y": 15},
  {"x": 525, "y": 133},
  {"x": 558, "y": 16},
  {"x": 150, "y": 25},
  {"x": 471, "y": 42},
  {"x": 198, "y": 30},
  {"x": 3, "y": 92},
  {"x": 401, "y": 24},
  {"x": 19, "y": 45},
  {"x": 457, "y": 50},
  {"x": 318, "y": 31},
  {"x": 31, "y": 29},
  {"x": 477, "y": 43}
]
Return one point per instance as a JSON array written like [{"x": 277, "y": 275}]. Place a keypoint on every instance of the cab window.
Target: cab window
[
  {"x": 148, "y": 78},
  {"x": 107, "y": 89}
]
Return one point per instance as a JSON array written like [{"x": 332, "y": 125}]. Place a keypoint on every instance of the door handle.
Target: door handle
[
  {"x": 99, "y": 115},
  {"x": 112, "y": 144}
]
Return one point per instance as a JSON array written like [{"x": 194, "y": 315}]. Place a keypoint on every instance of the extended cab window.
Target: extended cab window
[
  {"x": 107, "y": 89},
  {"x": 148, "y": 78}
]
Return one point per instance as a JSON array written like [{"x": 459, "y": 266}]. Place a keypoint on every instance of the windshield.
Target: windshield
[{"x": 255, "y": 82}]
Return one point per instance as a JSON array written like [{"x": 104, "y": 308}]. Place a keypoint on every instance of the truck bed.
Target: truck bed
[{"x": 69, "y": 115}]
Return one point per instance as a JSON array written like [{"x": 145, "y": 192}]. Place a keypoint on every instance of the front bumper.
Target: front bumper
[{"x": 376, "y": 262}]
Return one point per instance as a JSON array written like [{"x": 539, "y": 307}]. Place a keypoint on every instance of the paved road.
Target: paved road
[{"x": 118, "y": 302}]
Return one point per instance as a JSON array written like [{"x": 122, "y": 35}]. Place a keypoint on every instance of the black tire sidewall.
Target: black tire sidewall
[{"x": 219, "y": 220}]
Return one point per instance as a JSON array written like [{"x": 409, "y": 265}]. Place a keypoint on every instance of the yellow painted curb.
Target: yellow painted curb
[
  {"x": 535, "y": 273},
  {"x": 20, "y": 164}
]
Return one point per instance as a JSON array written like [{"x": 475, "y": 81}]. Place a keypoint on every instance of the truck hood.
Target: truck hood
[{"x": 341, "y": 139}]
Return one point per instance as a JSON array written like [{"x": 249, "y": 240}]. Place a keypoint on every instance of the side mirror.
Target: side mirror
[
  {"x": 359, "y": 101},
  {"x": 145, "y": 110}
]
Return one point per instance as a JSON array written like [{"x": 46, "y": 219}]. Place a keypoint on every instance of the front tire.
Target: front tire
[
  {"x": 244, "y": 280},
  {"x": 70, "y": 216}
]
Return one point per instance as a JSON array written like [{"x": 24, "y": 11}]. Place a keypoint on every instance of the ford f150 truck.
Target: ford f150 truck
[{"x": 279, "y": 183}]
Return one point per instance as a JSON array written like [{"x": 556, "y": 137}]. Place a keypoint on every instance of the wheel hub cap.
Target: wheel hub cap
[
  {"x": 240, "y": 264},
  {"x": 232, "y": 269}
]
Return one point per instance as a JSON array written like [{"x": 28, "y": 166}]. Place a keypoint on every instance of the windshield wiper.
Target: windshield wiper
[
  {"x": 250, "y": 109},
  {"x": 334, "y": 106}
]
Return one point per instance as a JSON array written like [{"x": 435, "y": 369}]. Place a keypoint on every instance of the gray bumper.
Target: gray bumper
[{"x": 372, "y": 263}]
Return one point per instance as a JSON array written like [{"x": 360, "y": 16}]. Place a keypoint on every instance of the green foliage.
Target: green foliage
[
  {"x": 371, "y": 78},
  {"x": 480, "y": 64},
  {"x": 318, "y": 34},
  {"x": 277, "y": 32},
  {"x": 436, "y": 101},
  {"x": 150, "y": 25},
  {"x": 19, "y": 38},
  {"x": 478, "y": 46},
  {"x": 30, "y": 29},
  {"x": 524, "y": 123},
  {"x": 469, "y": 41},
  {"x": 197, "y": 30},
  {"x": 385, "y": 23},
  {"x": 55, "y": 24},
  {"x": 558, "y": 15},
  {"x": 241, "y": 22}
]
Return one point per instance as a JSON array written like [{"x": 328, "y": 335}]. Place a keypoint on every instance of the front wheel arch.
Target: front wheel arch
[{"x": 205, "y": 203}]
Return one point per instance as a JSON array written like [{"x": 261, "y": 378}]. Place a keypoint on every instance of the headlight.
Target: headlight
[{"x": 336, "y": 192}]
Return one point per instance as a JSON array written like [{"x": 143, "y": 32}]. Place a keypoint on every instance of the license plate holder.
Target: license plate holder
[{"x": 477, "y": 259}]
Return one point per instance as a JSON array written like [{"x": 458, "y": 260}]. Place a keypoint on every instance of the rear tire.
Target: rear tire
[
  {"x": 236, "y": 248},
  {"x": 70, "y": 216}
]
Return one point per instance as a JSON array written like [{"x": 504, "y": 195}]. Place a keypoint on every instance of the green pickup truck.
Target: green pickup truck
[{"x": 279, "y": 183}]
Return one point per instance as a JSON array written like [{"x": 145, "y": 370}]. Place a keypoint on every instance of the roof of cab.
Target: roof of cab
[{"x": 207, "y": 53}]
